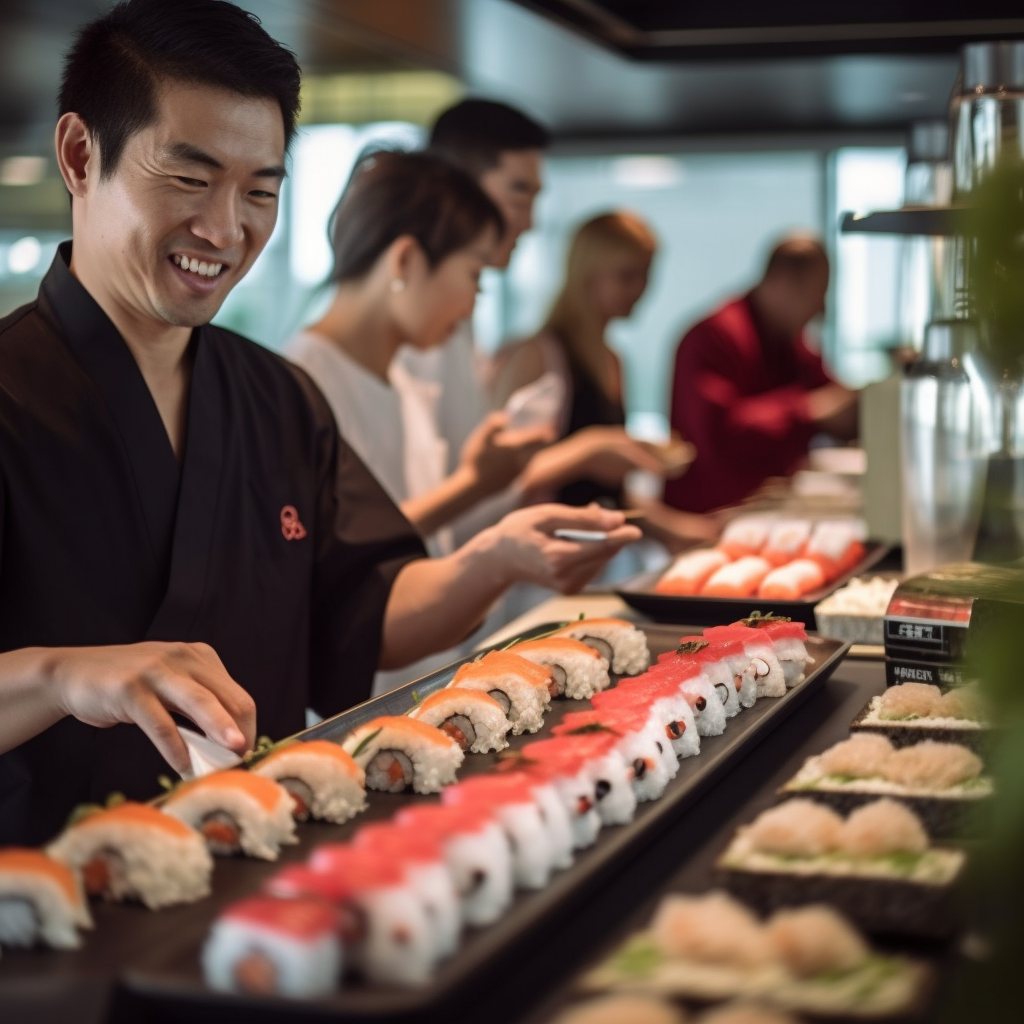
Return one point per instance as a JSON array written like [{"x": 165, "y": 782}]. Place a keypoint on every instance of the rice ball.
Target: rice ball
[
  {"x": 908, "y": 700},
  {"x": 797, "y": 828},
  {"x": 620, "y": 1009},
  {"x": 710, "y": 929},
  {"x": 815, "y": 939},
  {"x": 859, "y": 757},
  {"x": 883, "y": 827},
  {"x": 932, "y": 765},
  {"x": 964, "y": 704},
  {"x": 746, "y": 1013}
]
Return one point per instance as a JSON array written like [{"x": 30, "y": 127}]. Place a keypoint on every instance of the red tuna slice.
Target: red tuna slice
[
  {"x": 491, "y": 790},
  {"x": 445, "y": 821},
  {"x": 783, "y": 630},
  {"x": 353, "y": 867},
  {"x": 402, "y": 845},
  {"x": 567, "y": 755},
  {"x": 304, "y": 919}
]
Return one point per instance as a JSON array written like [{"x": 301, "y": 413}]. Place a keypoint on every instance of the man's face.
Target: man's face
[
  {"x": 513, "y": 185},
  {"x": 189, "y": 207},
  {"x": 805, "y": 298}
]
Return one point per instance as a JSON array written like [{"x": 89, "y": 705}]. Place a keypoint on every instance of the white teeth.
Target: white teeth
[{"x": 196, "y": 267}]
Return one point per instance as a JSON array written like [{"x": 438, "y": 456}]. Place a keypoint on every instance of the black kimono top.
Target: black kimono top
[{"x": 271, "y": 541}]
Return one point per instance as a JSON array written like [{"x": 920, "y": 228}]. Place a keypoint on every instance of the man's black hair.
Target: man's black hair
[
  {"x": 113, "y": 71},
  {"x": 474, "y": 134}
]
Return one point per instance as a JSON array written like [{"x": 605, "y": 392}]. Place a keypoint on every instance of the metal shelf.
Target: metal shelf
[{"x": 913, "y": 220}]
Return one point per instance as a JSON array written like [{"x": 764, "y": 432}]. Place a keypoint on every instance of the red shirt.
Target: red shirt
[{"x": 739, "y": 395}]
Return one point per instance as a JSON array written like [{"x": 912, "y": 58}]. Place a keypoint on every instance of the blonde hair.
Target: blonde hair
[{"x": 573, "y": 319}]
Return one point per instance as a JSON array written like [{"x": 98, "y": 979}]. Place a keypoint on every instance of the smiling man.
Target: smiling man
[{"x": 181, "y": 527}]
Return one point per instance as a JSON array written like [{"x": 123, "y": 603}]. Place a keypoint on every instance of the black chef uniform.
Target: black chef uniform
[{"x": 271, "y": 541}]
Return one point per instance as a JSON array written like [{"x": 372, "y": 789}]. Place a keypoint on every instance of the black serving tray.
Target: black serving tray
[
  {"x": 171, "y": 975},
  {"x": 639, "y": 593}
]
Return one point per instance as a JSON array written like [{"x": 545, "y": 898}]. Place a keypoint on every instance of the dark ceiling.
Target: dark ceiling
[{"x": 604, "y": 69}]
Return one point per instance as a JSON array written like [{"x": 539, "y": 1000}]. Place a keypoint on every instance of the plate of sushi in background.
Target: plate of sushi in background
[
  {"x": 791, "y": 564},
  {"x": 387, "y": 859}
]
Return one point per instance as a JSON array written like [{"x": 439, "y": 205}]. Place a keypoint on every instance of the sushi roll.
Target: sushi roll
[
  {"x": 523, "y": 689},
  {"x": 837, "y": 545},
  {"x": 398, "y": 753},
  {"x": 791, "y": 581},
  {"x": 420, "y": 858},
  {"x": 514, "y": 805},
  {"x": 476, "y": 851},
  {"x": 746, "y": 535},
  {"x": 553, "y": 815},
  {"x": 382, "y": 924},
  {"x": 789, "y": 639},
  {"x": 324, "y": 781},
  {"x": 661, "y": 697},
  {"x": 578, "y": 670},
  {"x": 274, "y": 947},
  {"x": 600, "y": 761},
  {"x": 620, "y": 643},
  {"x": 737, "y": 579},
  {"x": 786, "y": 540},
  {"x": 688, "y": 674},
  {"x": 690, "y": 571},
  {"x": 638, "y": 741},
  {"x": 714, "y": 666},
  {"x": 236, "y": 811},
  {"x": 768, "y": 673},
  {"x": 41, "y": 901},
  {"x": 472, "y": 718},
  {"x": 132, "y": 851}
]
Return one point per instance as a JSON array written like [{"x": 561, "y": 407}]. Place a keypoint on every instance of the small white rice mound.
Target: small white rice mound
[
  {"x": 557, "y": 823},
  {"x": 797, "y": 828},
  {"x": 746, "y": 1013},
  {"x": 577, "y": 795},
  {"x": 529, "y": 843},
  {"x": 641, "y": 751},
  {"x": 883, "y": 827},
  {"x": 711, "y": 719},
  {"x": 793, "y": 657},
  {"x": 722, "y": 680},
  {"x": 434, "y": 765},
  {"x": 34, "y": 907},
  {"x": 480, "y": 863},
  {"x": 713, "y": 929},
  {"x": 676, "y": 709},
  {"x": 303, "y": 969},
  {"x": 861, "y": 757},
  {"x": 261, "y": 834},
  {"x": 623, "y": 1009},
  {"x": 771, "y": 680},
  {"x": 434, "y": 887},
  {"x": 630, "y": 654},
  {"x": 932, "y": 765},
  {"x": 337, "y": 795},
  {"x": 612, "y": 779},
  {"x": 398, "y": 947},
  {"x": 815, "y": 939},
  {"x": 584, "y": 674},
  {"x": 908, "y": 700},
  {"x": 152, "y": 865},
  {"x": 528, "y": 702},
  {"x": 489, "y": 723}
]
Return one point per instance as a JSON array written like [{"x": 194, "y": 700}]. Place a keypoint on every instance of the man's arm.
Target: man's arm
[
  {"x": 139, "y": 683},
  {"x": 436, "y": 602}
]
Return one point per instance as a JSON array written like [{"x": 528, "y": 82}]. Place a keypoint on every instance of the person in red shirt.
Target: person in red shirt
[{"x": 748, "y": 392}]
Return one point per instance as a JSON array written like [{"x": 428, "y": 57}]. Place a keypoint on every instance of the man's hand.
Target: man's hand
[
  {"x": 523, "y": 547},
  {"x": 495, "y": 454},
  {"x": 143, "y": 683},
  {"x": 833, "y": 411}
]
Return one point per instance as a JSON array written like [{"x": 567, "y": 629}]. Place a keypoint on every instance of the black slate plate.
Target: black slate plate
[
  {"x": 170, "y": 979},
  {"x": 639, "y": 593}
]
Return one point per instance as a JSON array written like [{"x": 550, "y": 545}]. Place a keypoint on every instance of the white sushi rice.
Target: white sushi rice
[
  {"x": 434, "y": 764},
  {"x": 480, "y": 863},
  {"x": 529, "y": 843},
  {"x": 34, "y": 907},
  {"x": 304, "y": 968},
  {"x": 489, "y": 723},
  {"x": 397, "y": 948},
  {"x": 576, "y": 792},
  {"x": 557, "y": 823},
  {"x": 432, "y": 883},
  {"x": 611, "y": 776},
  {"x": 645, "y": 746},
  {"x": 711, "y": 719},
  {"x": 627, "y": 644},
  {"x": 771, "y": 680},
  {"x": 722, "y": 679},
  {"x": 676, "y": 708},
  {"x": 337, "y": 795},
  {"x": 261, "y": 834},
  {"x": 527, "y": 701},
  {"x": 584, "y": 674},
  {"x": 793, "y": 657},
  {"x": 152, "y": 865}
]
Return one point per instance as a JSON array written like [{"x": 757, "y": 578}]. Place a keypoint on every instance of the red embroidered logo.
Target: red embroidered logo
[{"x": 291, "y": 525}]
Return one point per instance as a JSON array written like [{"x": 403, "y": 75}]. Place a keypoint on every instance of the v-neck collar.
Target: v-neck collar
[{"x": 178, "y": 502}]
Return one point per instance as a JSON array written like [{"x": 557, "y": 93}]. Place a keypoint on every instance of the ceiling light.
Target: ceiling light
[
  {"x": 646, "y": 171},
  {"x": 22, "y": 170}
]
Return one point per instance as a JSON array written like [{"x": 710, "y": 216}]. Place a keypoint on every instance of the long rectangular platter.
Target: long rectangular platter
[
  {"x": 639, "y": 593},
  {"x": 156, "y": 956}
]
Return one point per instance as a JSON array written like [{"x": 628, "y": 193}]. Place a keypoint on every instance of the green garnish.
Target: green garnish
[
  {"x": 116, "y": 799},
  {"x": 755, "y": 619},
  {"x": 582, "y": 730},
  {"x": 902, "y": 861},
  {"x": 542, "y": 636},
  {"x": 416, "y": 696},
  {"x": 366, "y": 741},
  {"x": 692, "y": 646},
  {"x": 264, "y": 746},
  {"x": 638, "y": 958},
  {"x": 83, "y": 811}
]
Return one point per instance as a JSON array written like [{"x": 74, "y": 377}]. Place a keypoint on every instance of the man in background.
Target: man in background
[{"x": 748, "y": 391}]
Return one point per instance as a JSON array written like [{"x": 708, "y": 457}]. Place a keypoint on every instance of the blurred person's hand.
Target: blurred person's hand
[
  {"x": 833, "y": 410},
  {"x": 495, "y": 454}
]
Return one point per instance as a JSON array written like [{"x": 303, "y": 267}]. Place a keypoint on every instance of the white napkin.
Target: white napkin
[{"x": 206, "y": 756}]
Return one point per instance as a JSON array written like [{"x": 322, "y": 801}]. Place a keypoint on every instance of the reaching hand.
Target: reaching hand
[
  {"x": 143, "y": 683},
  {"x": 496, "y": 454}
]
